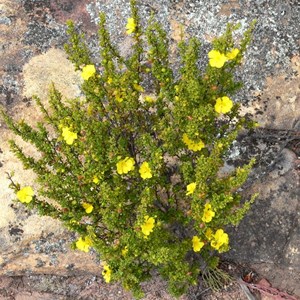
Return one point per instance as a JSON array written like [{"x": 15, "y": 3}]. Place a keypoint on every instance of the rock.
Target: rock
[
  {"x": 51, "y": 66},
  {"x": 269, "y": 234},
  {"x": 29, "y": 243},
  {"x": 32, "y": 35},
  {"x": 276, "y": 107}
]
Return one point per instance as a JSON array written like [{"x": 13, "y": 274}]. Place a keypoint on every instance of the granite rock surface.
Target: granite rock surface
[{"x": 32, "y": 34}]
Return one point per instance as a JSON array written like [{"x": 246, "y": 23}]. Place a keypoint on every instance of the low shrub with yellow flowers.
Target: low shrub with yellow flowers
[{"x": 133, "y": 166}]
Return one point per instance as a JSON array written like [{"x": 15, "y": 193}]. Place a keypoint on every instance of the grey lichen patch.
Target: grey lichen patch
[
  {"x": 41, "y": 35},
  {"x": 52, "y": 66}
]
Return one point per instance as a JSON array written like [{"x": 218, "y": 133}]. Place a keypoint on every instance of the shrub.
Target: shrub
[{"x": 133, "y": 167}]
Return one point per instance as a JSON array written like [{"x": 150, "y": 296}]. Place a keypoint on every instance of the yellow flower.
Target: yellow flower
[
  {"x": 191, "y": 188},
  {"x": 131, "y": 26},
  {"x": 207, "y": 206},
  {"x": 207, "y": 216},
  {"x": 125, "y": 165},
  {"x": 233, "y": 53},
  {"x": 149, "y": 99},
  {"x": 96, "y": 179},
  {"x": 191, "y": 144},
  {"x": 118, "y": 95},
  {"x": 138, "y": 88},
  {"x": 209, "y": 234},
  {"x": 72, "y": 222},
  {"x": 148, "y": 225},
  {"x": 106, "y": 273},
  {"x": 145, "y": 171},
  {"x": 88, "y": 207},
  {"x": 83, "y": 244},
  {"x": 68, "y": 135},
  {"x": 196, "y": 146},
  {"x": 223, "y": 105},
  {"x": 88, "y": 71},
  {"x": 185, "y": 139},
  {"x": 216, "y": 59},
  {"x": 124, "y": 251},
  {"x": 197, "y": 244},
  {"x": 220, "y": 238},
  {"x": 208, "y": 213},
  {"x": 25, "y": 194}
]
